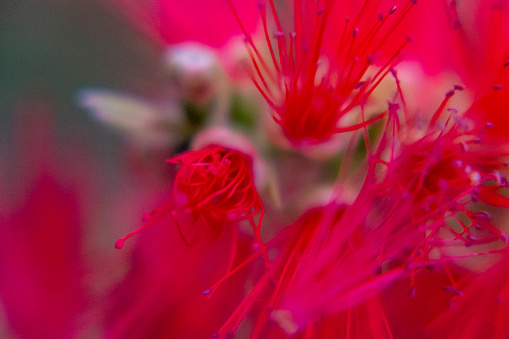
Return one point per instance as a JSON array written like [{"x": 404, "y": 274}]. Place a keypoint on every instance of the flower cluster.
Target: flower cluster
[{"x": 352, "y": 186}]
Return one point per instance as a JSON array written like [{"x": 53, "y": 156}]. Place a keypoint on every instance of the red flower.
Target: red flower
[
  {"x": 472, "y": 42},
  {"x": 486, "y": 67},
  {"x": 325, "y": 66},
  {"x": 324, "y": 281},
  {"x": 214, "y": 185},
  {"x": 414, "y": 210}
]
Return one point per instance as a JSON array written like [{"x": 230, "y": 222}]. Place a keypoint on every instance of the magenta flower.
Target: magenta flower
[
  {"x": 169, "y": 21},
  {"x": 41, "y": 263},
  {"x": 43, "y": 286}
]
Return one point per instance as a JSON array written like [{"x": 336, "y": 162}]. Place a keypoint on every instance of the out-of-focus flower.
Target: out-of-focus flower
[
  {"x": 169, "y": 22},
  {"x": 197, "y": 96},
  {"x": 195, "y": 69},
  {"x": 145, "y": 124},
  {"x": 43, "y": 271},
  {"x": 481, "y": 51},
  {"x": 473, "y": 44},
  {"x": 484, "y": 301},
  {"x": 41, "y": 267}
]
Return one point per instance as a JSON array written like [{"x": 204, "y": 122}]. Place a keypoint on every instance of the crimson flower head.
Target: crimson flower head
[
  {"x": 321, "y": 69},
  {"x": 445, "y": 174},
  {"x": 214, "y": 185}
]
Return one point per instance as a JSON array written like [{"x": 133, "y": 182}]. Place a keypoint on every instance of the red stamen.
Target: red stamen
[
  {"x": 311, "y": 108},
  {"x": 216, "y": 185}
]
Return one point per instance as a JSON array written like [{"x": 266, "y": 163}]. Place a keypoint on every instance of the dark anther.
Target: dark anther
[
  {"x": 453, "y": 290},
  {"x": 483, "y": 215},
  {"x": 411, "y": 292},
  {"x": 392, "y": 10}
]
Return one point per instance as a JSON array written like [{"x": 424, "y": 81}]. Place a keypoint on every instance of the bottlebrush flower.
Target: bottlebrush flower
[
  {"x": 445, "y": 174},
  {"x": 319, "y": 312},
  {"x": 321, "y": 70},
  {"x": 214, "y": 185},
  {"x": 422, "y": 201},
  {"x": 213, "y": 191},
  {"x": 346, "y": 255}
]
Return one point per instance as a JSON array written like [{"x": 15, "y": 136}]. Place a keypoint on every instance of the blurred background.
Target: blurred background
[{"x": 68, "y": 186}]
